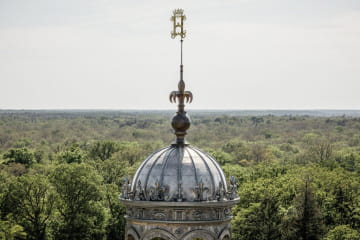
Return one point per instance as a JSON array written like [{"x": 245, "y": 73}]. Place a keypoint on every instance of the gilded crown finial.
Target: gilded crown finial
[{"x": 178, "y": 19}]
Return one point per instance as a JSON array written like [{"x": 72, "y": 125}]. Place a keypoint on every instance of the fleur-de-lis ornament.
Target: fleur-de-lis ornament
[
  {"x": 181, "y": 95},
  {"x": 180, "y": 122},
  {"x": 139, "y": 192},
  {"x": 199, "y": 191},
  {"x": 220, "y": 192},
  {"x": 157, "y": 193}
]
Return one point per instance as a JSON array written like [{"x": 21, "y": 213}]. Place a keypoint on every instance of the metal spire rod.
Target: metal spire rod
[
  {"x": 181, "y": 56},
  {"x": 180, "y": 122},
  {"x": 181, "y": 60}
]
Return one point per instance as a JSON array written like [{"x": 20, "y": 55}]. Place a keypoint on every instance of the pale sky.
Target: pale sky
[{"x": 239, "y": 54}]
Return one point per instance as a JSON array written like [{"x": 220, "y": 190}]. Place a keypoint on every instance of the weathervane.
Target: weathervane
[{"x": 180, "y": 122}]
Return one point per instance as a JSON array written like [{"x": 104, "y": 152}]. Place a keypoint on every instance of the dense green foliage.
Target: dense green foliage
[{"x": 61, "y": 172}]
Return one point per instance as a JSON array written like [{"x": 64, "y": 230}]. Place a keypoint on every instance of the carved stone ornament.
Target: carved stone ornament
[
  {"x": 125, "y": 188},
  {"x": 197, "y": 215},
  {"x": 179, "y": 231},
  {"x": 232, "y": 194},
  {"x": 167, "y": 214},
  {"x": 139, "y": 192},
  {"x": 180, "y": 196},
  {"x": 129, "y": 212},
  {"x": 227, "y": 212},
  {"x": 140, "y": 213},
  {"x": 220, "y": 192},
  {"x": 200, "y": 190},
  {"x": 157, "y": 193},
  {"x": 159, "y": 215}
]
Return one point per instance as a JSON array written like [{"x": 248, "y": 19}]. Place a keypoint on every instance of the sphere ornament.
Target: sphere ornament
[{"x": 180, "y": 123}]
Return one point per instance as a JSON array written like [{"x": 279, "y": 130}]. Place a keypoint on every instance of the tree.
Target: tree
[
  {"x": 346, "y": 203},
  {"x": 339, "y": 197},
  {"x": 129, "y": 151},
  {"x": 257, "y": 120},
  {"x": 72, "y": 155},
  {"x": 342, "y": 232},
  {"x": 321, "y": 151},
  {"x": 349, "y": 160},
  {"x": 9, "y": 230},
  {"x": 81, "y": 214},
  {"x": 4, "y": 181},
  {"x": 30, "y": 200},
  {"x": 115, "y": 229},
  {"x": 20, "y": 155},
  {"x": 258, "y": 152},
  {"x": 103, "y": 149},
  {"x": 259, "y": 216},
  {"x": 307, "y": 220},
  {"x": 288, "y": 228},
  {"x": 259, "y": 221},
  {"x": 238, "y": 149},
  {"x": 221, "y": 156},
  {"x": 112, "y": 170},
  {"x": 15, "y": 169}
]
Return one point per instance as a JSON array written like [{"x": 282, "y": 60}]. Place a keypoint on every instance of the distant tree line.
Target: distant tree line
[{"x": 61, "y": 175}]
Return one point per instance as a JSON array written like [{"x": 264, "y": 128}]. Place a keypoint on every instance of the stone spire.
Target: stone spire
[{"x": 181, "y": 121}]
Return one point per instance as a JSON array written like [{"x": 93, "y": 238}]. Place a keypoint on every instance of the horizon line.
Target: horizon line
[{"x": 198, "y": 109}]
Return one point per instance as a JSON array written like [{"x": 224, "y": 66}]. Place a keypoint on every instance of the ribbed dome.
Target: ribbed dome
[{"x": 179, "y": 173}]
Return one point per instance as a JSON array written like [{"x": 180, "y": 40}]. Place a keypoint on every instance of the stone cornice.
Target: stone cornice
[
  {"x": 165, "y": 204},
  {"x": 167, "y": 222}
]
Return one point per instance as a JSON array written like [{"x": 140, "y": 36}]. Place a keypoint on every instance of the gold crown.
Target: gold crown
[{"x": 178, "y": 12}]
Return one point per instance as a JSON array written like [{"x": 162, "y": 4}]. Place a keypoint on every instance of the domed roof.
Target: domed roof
[{"x": 179, "y": 173}]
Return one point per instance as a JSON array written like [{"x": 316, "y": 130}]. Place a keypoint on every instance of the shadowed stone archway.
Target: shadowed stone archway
[
  {"x": 156, "y": 234},
  {"x": 200, "y": 234}
]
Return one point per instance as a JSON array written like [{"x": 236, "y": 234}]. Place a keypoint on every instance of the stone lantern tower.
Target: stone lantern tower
[{"x": 179, "y": 191}]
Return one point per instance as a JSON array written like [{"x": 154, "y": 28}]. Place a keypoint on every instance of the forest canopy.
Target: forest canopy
[{"x": 61, "y": 172}]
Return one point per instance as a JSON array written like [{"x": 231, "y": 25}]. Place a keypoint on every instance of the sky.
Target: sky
[{"x": 238, "y": 54}]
